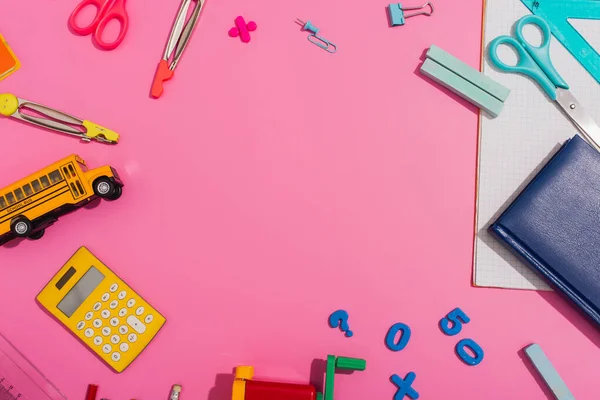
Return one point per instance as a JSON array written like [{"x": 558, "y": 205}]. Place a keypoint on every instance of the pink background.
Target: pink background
[{"x": 272, "y": 184}]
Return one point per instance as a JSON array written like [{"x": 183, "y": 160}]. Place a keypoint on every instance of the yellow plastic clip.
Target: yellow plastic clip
[
  {"x": 9, "y": 104},
  {"x": 94, "y": 130}
]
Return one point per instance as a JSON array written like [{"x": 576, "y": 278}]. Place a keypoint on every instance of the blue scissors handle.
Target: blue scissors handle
[{"x": 533, "y": 61}]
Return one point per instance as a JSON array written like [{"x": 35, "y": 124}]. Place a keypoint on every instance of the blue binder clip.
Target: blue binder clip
[
  {"x": 396, "y": 12},
  {"x": 315, "y": 39}
]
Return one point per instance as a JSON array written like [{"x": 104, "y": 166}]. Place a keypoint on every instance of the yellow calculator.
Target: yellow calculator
[{"x": 101, "y": 310}]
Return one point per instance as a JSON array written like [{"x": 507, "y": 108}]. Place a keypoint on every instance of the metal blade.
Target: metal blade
[
  {"x": 49, "y": 124},
  {"x": 49, "y": 118},
  {"x": 187, "y": 33},
  {"x": 52, "y": 113},
  {"x": 582, "y": 120},
  {"x": 177, "y": 28}
]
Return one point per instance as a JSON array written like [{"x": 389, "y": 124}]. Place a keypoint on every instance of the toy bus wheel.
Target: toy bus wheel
[
  {"x": 37, "y": 235},
  {"x": 116, "y": 193},
  {"x": 104, "y": 187},
  {"x": 21, "y": 227}
]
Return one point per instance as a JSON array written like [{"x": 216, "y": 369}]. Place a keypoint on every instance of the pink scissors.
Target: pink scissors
[{"x": 106, "y": 10}]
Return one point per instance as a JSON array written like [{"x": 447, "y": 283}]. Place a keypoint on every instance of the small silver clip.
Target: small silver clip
[{"x": 316, "y": 39}]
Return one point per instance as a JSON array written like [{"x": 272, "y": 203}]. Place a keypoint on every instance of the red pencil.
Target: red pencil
[{"x": 91, "y": 392}]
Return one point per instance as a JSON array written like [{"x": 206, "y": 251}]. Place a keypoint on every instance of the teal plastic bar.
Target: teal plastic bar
[
  {"x": 457, "y": 84},
  {"x": 547, "y": 371},
  {"x": 468, "y": 73}
]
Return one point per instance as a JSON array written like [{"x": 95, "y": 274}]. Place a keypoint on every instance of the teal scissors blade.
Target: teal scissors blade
[{"x": 535, "y": 62}]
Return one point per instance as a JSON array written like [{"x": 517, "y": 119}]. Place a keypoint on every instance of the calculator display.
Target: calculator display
[{"x": 82, "y": 289}]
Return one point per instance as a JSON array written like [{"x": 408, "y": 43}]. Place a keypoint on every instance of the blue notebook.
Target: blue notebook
[{"x": 554, "y": 224}]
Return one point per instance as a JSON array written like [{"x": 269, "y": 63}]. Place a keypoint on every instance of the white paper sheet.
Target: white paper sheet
[{"x": 516, "y": 144}]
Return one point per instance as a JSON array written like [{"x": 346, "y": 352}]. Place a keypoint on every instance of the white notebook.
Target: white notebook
[{"x": 516, "y": 144}]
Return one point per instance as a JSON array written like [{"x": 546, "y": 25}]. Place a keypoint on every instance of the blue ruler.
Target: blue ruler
[{"x": 557, "y": 13}]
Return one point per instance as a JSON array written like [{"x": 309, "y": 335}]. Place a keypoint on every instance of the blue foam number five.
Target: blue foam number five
[
  {"x": 458, "y": 318},
  {"x": 391, "y": 335},
  {"x": 465, "y": 356}
]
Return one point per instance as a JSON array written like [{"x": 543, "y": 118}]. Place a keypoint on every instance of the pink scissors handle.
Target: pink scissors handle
[
  {"x": 100, "y": 6},
  {"x": 117, "y": 12},
  {"x": 106, "y": 10}
]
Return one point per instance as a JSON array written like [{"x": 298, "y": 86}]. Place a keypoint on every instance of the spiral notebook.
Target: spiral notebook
[{"x": 513, "y": 147}]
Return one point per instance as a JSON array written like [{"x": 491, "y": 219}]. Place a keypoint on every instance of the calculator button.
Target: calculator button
[
  {"x": 106, "y": 348},
  {"x": 105, "y": 297},
  {"x": 97, "y": 323},
  {"x": 106, "y": 331},
  {"x": 122, "y": 312},
  {"x": 97, "y": 340},
  {"x": 123, "y": 329},
  {"x": 139, "y": 311},
  {"x": 132, "y": 337},
  {"x": 97, "y": 306},
  {"x": 89, "y": 332},
  {"x": 114, "y": 339},
  {"x": 114, "y": 321},
  {"x": 113, "y": 288},
  {"x": 130, "y": 303},
  {"x": 122, "y": 294},
  {"x": 149, "y": 318},
  {"x": 115, "y": 356},
  {"x": 124, "y": 347},
  {"x": 80, "y": 325},
  {"x": 136, "y": 324},
  {"x": 105, "y": 313},
  {"x": 89, "y": 316},
  {"x": 113, "y": 304}
]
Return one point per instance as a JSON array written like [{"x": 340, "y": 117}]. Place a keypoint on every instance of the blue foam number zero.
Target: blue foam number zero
[
  {"x": 391, "y": 336},
  {"x": 457, "y": 317},
  {"x": 465, "y": 356}
]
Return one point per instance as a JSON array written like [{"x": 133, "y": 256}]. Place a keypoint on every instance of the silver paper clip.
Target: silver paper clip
[{"x": 315, "y": 39}]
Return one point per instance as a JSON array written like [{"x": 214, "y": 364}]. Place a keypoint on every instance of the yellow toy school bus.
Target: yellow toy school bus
[{"x": 29, "y": 206}]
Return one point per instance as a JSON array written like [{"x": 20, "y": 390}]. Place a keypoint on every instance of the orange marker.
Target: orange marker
[{"x": 8, "y": 62}]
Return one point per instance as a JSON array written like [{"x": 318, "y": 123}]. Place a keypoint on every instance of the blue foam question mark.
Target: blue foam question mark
[{"x": 340, "y": 318}]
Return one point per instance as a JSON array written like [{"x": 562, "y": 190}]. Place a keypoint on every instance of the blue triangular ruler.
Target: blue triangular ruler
[{"x": 557, "y": 13}]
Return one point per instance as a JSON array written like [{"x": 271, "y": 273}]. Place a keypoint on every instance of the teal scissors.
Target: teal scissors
[{"x": 535, "y": 62}]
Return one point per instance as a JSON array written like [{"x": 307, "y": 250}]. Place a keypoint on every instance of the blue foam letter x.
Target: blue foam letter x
[{"x": 404, "y": 386}]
